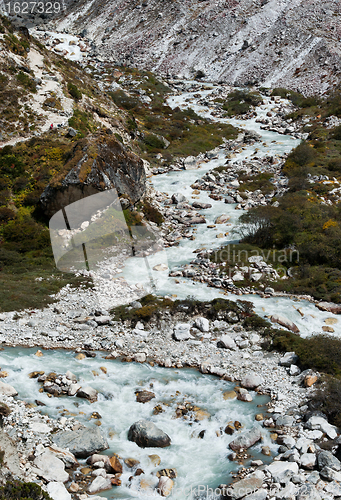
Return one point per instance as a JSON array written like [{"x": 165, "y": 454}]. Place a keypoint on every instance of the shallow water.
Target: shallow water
[{"x": 198, "y": 461}]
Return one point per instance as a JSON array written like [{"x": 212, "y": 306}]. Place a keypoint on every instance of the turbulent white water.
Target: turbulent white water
[
  {"x": 310, "y": 320},
  {"x": 198, "y": 461}
]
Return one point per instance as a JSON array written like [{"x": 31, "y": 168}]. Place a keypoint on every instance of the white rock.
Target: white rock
[
  {"x": 202, "y": 324},
  {"x": 251, "y": 381},
  {"x": 283, "y": 321},
  {"x": 226, "y": 342},
  {"x": 99, "y": 484},
  {"x": 321, "y": 424},
  {"x": 308, "y": 460},
  {"x": 7, "y": 390},
  {"x": 140, "y": 357},
  {"x": 57, "y": 491},
  {"x": 289, "y": 358},
  {"x": 279, "y": 469},
  {"x": 294, "y": 370},
  {"x": 51, "y": 468},
  {"x": 182, "y": 331},
  {"x": 39, "y": 427}
]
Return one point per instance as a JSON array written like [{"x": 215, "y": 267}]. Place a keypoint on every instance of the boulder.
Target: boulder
[
  {"x": 68, "y": 458},
  {"x": 246, "y": 440},
  {"x": 72, "y": 132},
  {"x": 190, "y": 163},
  {"x": 279, "y": 470},
  {"x": 251, "y": 381},
  {"x": 140, "y": 357},
  {"x": 330, "y": 474},
  {"x": 178, "y": 198},
  {"x": 329, "y": 307},
  {"x": 222, "y": 219},
  {"x": 321, "y": 424},
  {"x": 144, "y": 396},
  {"x": 99, "y": 484},
  {"x": 97, "y": 163},
  {"x": 281, "y": 320},
  {"x": 327, "y": 459},
  {"x": 7, "y": 390},
  {"x": 82, "y": 442},
  {"x": 308, "y": 492},
  {"x": 250, "y": 484},
  {"x": 146, "y": 435},
  {"x": 202, "y": 324},
  {"x": 226, "y": 342},
  {"x": 182, "y": 331},
  {"x": 308, "y": 461},
  {"x": 87, "y": 393},
  {"x": 115, "y": 464},
  {"x": 201, "y": 206},
  {"x": 50, "y": 467},
  {"x": 57, "y": 491}
]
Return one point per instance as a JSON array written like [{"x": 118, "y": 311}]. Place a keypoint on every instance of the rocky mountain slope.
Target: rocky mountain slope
[{"x": 289, "y": 43}]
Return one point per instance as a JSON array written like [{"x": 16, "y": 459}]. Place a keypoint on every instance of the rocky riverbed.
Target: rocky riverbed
[{"x": 290, "y": 456}]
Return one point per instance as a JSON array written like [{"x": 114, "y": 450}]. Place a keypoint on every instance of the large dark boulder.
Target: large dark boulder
[
  {"x": 97, "y": 163},
  {"x": 146, "y": 435}
]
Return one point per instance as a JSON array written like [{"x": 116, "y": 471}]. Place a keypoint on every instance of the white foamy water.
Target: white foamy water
[{"x": 198, "y": 461}]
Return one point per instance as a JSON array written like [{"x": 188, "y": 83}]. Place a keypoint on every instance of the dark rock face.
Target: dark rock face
[
  {"x": 146, "y": 435},
  {"x": 98, "y": 162},
  {"x": 82, "y": 442}
]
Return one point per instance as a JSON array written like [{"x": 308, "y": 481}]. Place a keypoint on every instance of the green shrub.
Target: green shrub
[
  {"x": 123, "y": 100},
  {"x": 153, "y": 143},
  {"x": 17, "y": 490},
  {"x": 6, "y": 214},
  {"x": 152, "y": 214},
  {"x": 328, "y": 400},
  {"x": 74, "y": 91},
  {"x": 25, "y": 235},
  {"x": 337, "y": 133},
  {"x": 25, "y": 81},
  {"x": 320, "y": 352}
]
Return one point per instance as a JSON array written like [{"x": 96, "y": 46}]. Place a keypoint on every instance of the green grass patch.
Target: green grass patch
[{"x": 240, "y": 102}]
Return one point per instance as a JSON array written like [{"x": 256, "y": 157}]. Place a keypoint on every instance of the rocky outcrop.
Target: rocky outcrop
[
  {"x": 82, "y": 442},
  {"x": 146, "y": 435},
  {"x": 98, "y": 162}
]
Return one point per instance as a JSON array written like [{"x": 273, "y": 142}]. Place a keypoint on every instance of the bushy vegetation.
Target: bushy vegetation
[
  {"x": 82, "y": 122},
  {"x": 296, "y": 98},
  {"x": 240, "y": 102},
  {"x": 17, "y": 490},
  {"x": 153, "y": 307},
  {"x": 320, "y": 352},
  {"x": 328, "y": 400},
  {"x": 26, "y": 81},
  {"x": 151, "y": 212},
  {"x": 74, "y": 91}
]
